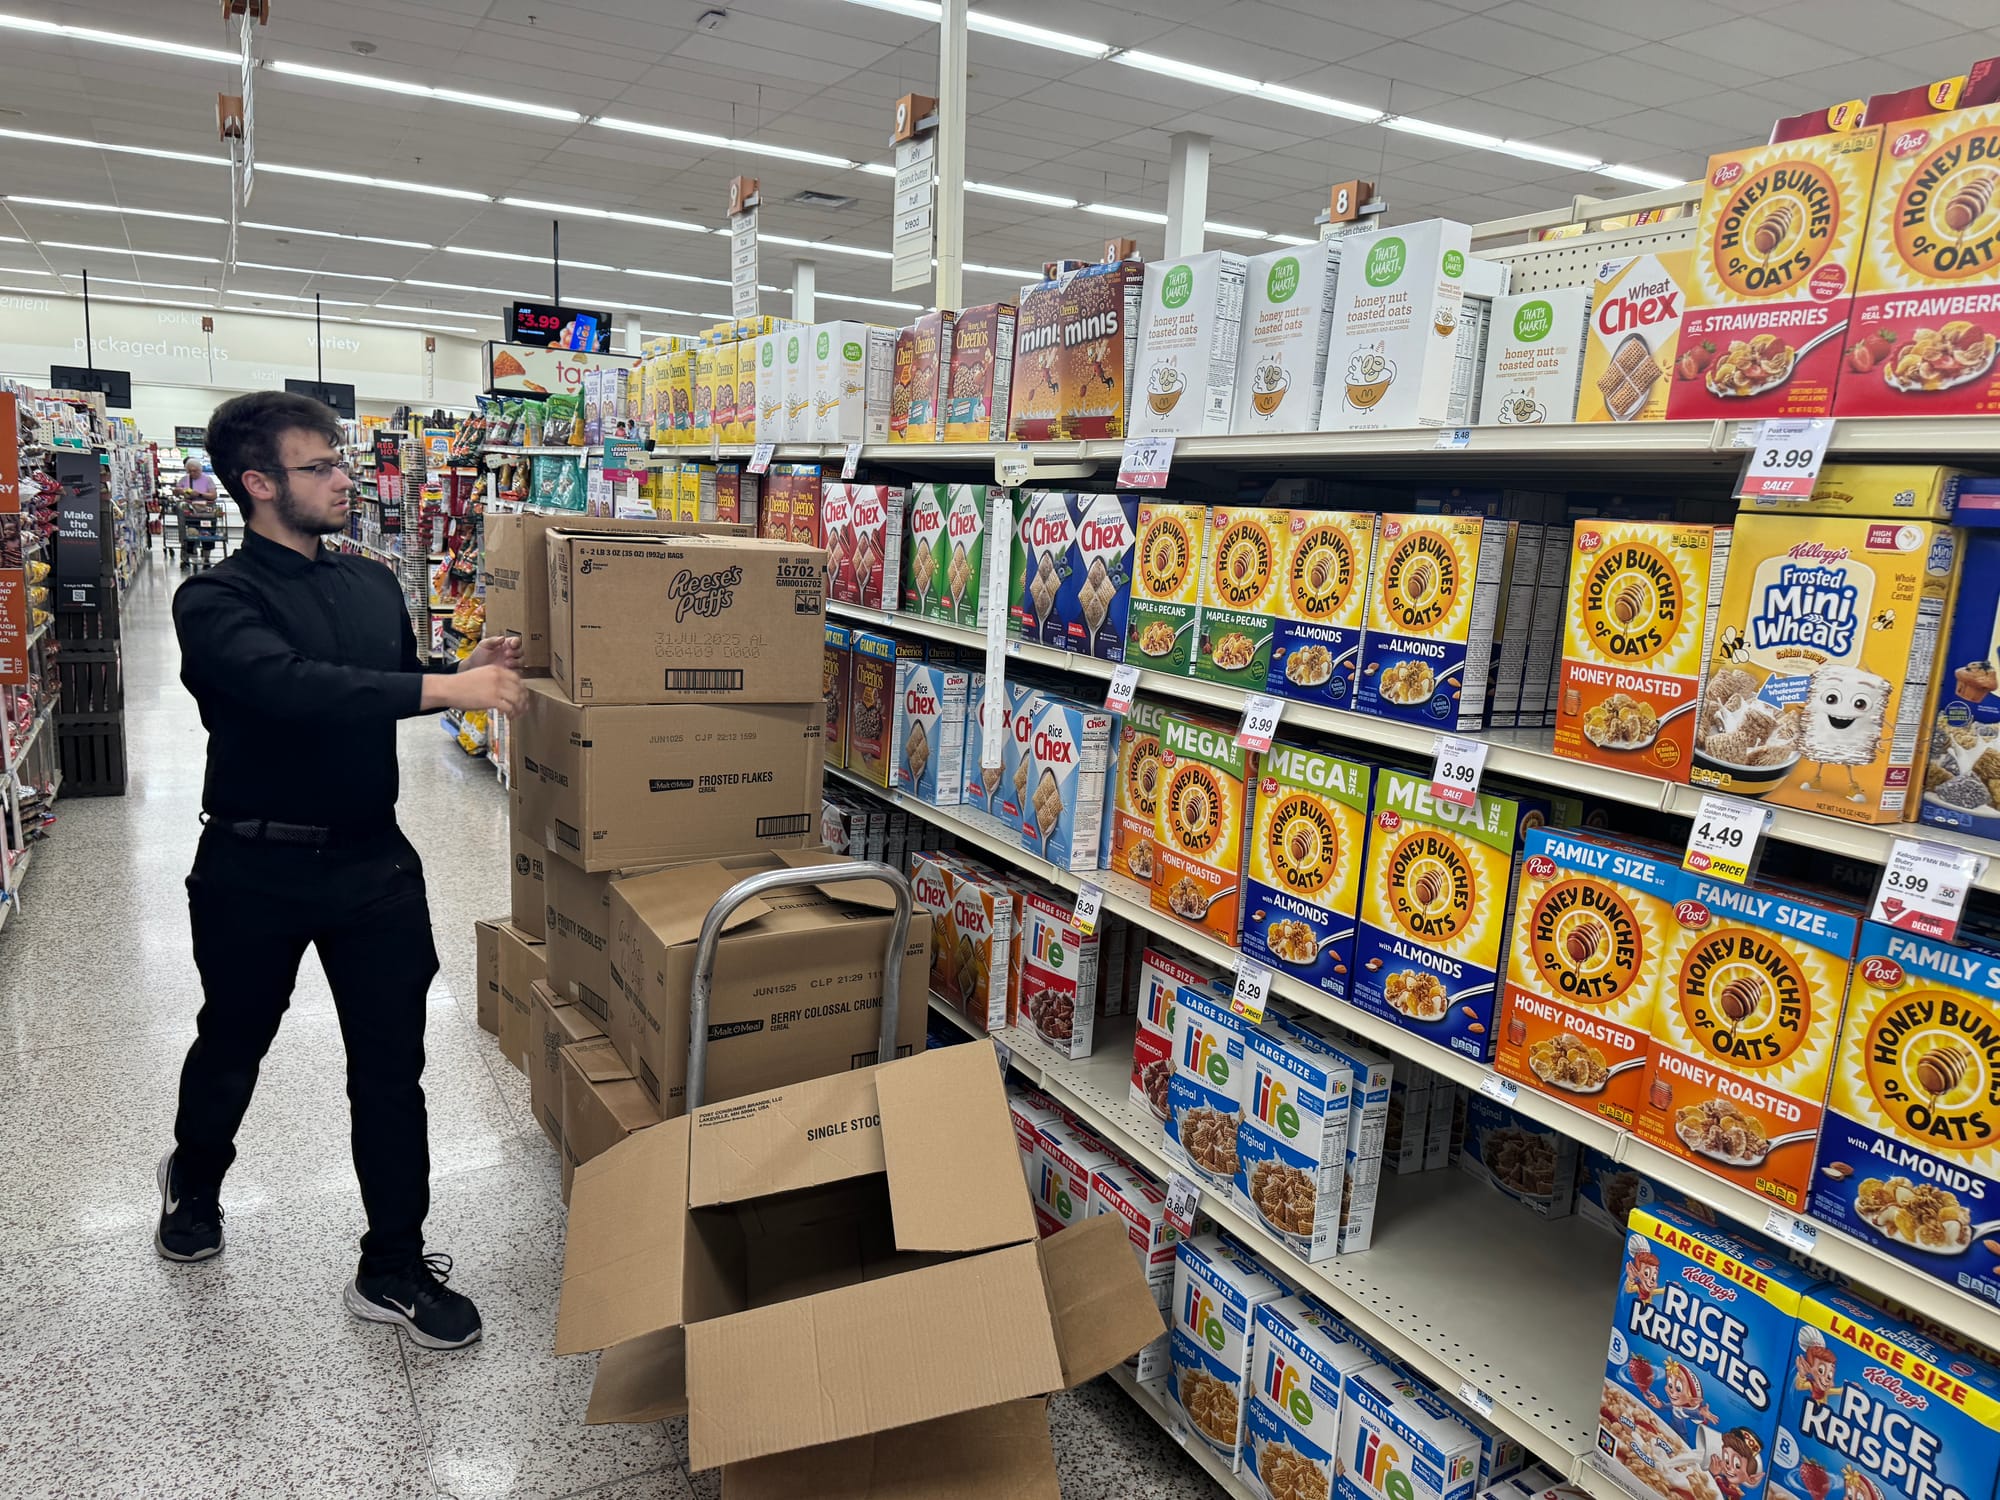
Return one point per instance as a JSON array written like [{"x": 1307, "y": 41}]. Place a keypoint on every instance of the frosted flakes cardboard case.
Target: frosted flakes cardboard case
[
  {"x": 1389, "y": 361},
  {"x": 1316, "y": 651},
  {"x": 923, "y": 551},
  {"x": 1434, "y": 602},
  {"x": 1632, "y": 345},
  {"x": 1218, "y": 1288},
  {"x": 1701, "y": 1347},
  {"x": 962, "y": 596},
  {"x": 1190, "y": 322},
  {"x": 982, "y": 371},
  {"x": 1962, "y": 774},
  {"x": 1069, "y": 756},
  {"x": 1202, "y": 820},
  {"x": 1136, "y": 791},
  {"x": 1641, "y": 624},
  {"x": 1776, "y": 253},
  {"x": 1400, "y": 1440},
  {"x": 1045, "y": 532},
  {"x": 1059, "y": 974},
  {"x": 1288, "y": 298},
  {"x": 1825, "y": 669},
  {"x": 1242, "y": 592},
  {"x": 1169, "y": 553},
  {"x": 1291, "y": 1148},
  {"x": 1534, "y": 357},
  {"x": 1909, "y": 1153},
  {"x": 1302, "y": 879},
  {"x": 1299, "y": 1361},
  {"x": 929, "y": 734}
]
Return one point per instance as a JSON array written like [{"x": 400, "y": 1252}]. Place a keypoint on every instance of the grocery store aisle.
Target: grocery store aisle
[{"x": 122, "y": 1375}]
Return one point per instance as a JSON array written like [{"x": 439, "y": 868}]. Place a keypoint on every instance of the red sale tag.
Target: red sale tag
[
  {"x": 1923, "y": 888},
  {"x": 1460, "y": 764},
  {"x": 1784, "y": 461},
  {"x": 1145, "y": 463},
  {"x": 1260, "y": 722}
]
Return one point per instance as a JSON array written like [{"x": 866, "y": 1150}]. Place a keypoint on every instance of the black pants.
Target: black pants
[{"x": 255, "y": 908}]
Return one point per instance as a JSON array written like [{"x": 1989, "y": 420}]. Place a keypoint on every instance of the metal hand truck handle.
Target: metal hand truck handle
[{"x": 790, "y": 879}]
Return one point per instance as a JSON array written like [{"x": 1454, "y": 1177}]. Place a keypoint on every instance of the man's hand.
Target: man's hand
[
  {"x": 494, "y": 687},
  {"x": 494, "y": 651}
]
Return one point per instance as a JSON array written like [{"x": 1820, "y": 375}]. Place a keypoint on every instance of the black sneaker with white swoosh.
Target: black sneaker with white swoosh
[
  {"x": 417, "y": 1300},
  {"x": 190, "y": 1225}
]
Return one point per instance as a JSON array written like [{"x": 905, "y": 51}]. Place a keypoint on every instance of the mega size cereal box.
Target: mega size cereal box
[
  {"x": 1169, "y": 553},
  {"x": 1202, "y": 817},
  {"x": 1592, "y": 921},
  {"x": 1190, "y": 322},
  {"x": 1136, "y": 791},
  {"x": 1205, "y": 1093},
  {"x": 1044, "y": 533},
  {"x": 1632, "y": 344},
  {"x": 1218, "y": 1287},
  {"x": 1291, "y": 1148},
  {"x": 1701, "y": 1353},
  {"x": 923, "y": 534},
  {"x": 1743, "y": 1032},
  {"x": 1909, "y": 1153},
  {"x": 1299, "y": 1362},
  {"x": 1400, "y": 1440},
  {"x": 1824, "y": 676},
  {"x": 1641, "y": 623},
  {"x": 1302, "y": 878},
  {"x": 1322, "y": 607},
  {"x": 1434, "y": 600},
  {"x": 1777, "y": 249},
  {"x": 1962, "y": 774},
  {"x": 982, "y": 371},
  {"x": 1096, "y": 591},
  {"x": 1242, "y": 592}
]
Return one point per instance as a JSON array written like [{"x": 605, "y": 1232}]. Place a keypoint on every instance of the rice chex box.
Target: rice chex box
[
  {"x": 1069, "y": 754},
  {"x": 929, "y": 737}
]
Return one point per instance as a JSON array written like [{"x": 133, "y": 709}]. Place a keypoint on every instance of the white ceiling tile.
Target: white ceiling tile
[
  {"x": 1646, "y": 18},
  {"x": 1581, "y": 31},
  {"x": 1642, "y": 85},
  {"x": 1784, "y": 50},
  {"x": 1402, "y": 18},
  {"x": 1570, "y": 104},
  {"x": 1415, "y": 63},
  {"x": 1293, "y": 34},
  {"x": 1964, "y": 12},
  {"x": 1682, "y": 58},
  {"x": 1514, "y": 47},
  {"x": 1866, "y": 27},
  {"x": 1942, "y": 59}
]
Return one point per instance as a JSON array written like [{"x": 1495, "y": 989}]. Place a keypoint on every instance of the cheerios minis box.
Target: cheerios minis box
[
  {"x": 1909, "y": 1154},
  {"x": 1169, "y": 552},
  {"x": 1200, "y": 824},
  {"x": 1218, "y": 1287},
  {"x": 1434, "y": 606},
  {"x": 1699, "y": 1362},
  {"x": 1242, "y": 593},
  {"x": 1322, "y": 607},
  {"x": 1303, "y": 873}
]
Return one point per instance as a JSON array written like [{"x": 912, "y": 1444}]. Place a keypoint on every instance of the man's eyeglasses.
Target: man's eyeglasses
[{"x": 321, "y": 470}]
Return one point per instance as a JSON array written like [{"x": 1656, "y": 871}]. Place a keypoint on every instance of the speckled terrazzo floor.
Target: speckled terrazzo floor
[{"x": 122, "y": 1376}]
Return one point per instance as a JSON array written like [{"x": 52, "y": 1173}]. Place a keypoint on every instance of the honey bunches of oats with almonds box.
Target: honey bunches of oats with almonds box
[
  {"x": 1202, "y": 820},
  {"x": 1218, "y": 1287},
  {"x": 1169, "y": 553},
  {"x": 1909, "y": 1153},
  {"x": 1322, "y": 607},
  {"x": 1299, "y": 1361},
  {"x": 1434, "y": 604},
  {"x": 1242, "y": 593},
  {"x": 1190, "y": 323},
  {"x": 1291, "y": 1149},
  {"x": 1699, "y": 1362},
  {"x": 1303, "y": 870}
]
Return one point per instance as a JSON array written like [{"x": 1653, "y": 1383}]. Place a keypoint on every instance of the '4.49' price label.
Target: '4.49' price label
[
  {"x": 1723, "y": 842},
  {"x": 1460, "y": 764},
  {"x": 1145, "y": 463},
  {"x": 1784, "y": 461},
  {"x": 1923, "y": 888}
]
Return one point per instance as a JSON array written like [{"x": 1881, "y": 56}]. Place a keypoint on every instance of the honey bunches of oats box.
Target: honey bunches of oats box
[
  {"x": 1169, "y": 552},
  {"x": 1201, "y": 823},
  {"x": 1434, "y": 602},
  {"x": 1909, "y": 1154},
  {"x": 1136, "y": 791},
  {"x": 1242, "y": 593},
  {"x": 1303, "y": 871},
  {"x": 1323, "y": 604}
]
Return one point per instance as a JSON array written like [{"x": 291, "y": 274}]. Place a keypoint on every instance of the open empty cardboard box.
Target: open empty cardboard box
[{"x": 812, "y": 1271}]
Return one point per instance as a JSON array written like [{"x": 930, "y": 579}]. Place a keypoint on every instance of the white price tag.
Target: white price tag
[
  {"x": 714, "y": 446},
  {"x": 1253, "y": 988},
  {"x": 1790, "y": 1229},
  {"x": 1089, "y": 906},
  {"x": 1475, "y": 1398},
  {"x": 1454, "y": 437},
  {"x": 1183, "y": 1198},
  {"x": 1722, "y": 844},
  {"x": 851, "y": 464},
  {"x": 1784, "y": 461},
  {"x": 1124, "y": 684},
  {"x": 1012, "y": 469},
  {"x": 1923, "y": 888},
  {"x": 1460, "y": 764},
  {"x": 1503, "y": 1090},
  {"x": 1015, "y": 648},
  {"x": 1260, "y": 722},
  {"x": 1145, "y": 463},
  {"x": 760, "y": 460},
  {"x": 1005, "y": 1053}
]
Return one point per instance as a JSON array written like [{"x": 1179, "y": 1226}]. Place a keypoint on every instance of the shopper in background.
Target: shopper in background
[
  {"x": 197, "y": 490},
  {"x": 302, "y": 661}
]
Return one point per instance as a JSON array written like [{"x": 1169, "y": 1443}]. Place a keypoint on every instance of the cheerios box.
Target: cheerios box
[
  {"x": 873, "y": 711},
  {"x": 1530, "y": 1162},
  {"x": 1095, "y": 595},
  {"x": 1242, "y": 594},
  {"x": 1434, "y": 607},
  {"x": 1744, "y": 1029},
  {"x": 1322, "y": 607},
  {"x": 1291, "y": 1150},
  {"x": 1299, "y": 1362},
  {"x": 1205, "y": 1095},
  {"x": 1909, "y": 1153},
  {"x": 1069, "y": 761},
  {"x": 1700, "y": 1356},
  {"x": 1201, "y": 822},
  {"x": 929, "y": 734},
  {"x": 1436, "y": 901},
  {"x": 1400, "y": 1440},
  {"x": 1218, "y": 1287},
  {"x": 1962, "y": 774},
  {"x": 1303, "y": 871},
  {"x": 1057, "y": 986},
  {"x": 1169, "y": 553}
]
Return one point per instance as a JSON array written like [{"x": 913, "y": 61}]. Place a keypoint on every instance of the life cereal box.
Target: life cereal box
[
  {"x": 1058, "y": 981},
  {"x": 1776, "y": 252},
  {"x": 1066, "y": 1156},
  {"x": 1824, "y": 677},
  {"x": 1291, "y": 1148},
  {"x": 1400, "y": 1440},
  {"x": 1433, "y": 606},
  {"x": 1205, "y": 1093},
  {"x": 1909, "y": 1154},
  {"x": 1879, "y": 1409},
  {"x": 1202, "y": 817},
  {"x": 1367, "y": 1124},
  {"x": 1743, "y": 1034},
  {"x": 1322, "y": 608},
  {"x": 1161, "y": 975},
  {"x": 1435, "y": 906},
  {"x": 1037, "y": 389},
  {"x": 1069, "y": 756},
  {"x": 1592, "y": 921},
  {"x": 1643, "y": 601},
  {"x": 1169, "y": 553},
  {"x": 1302, "y": 878},
  {"x": 1512, "y": 1153},
  {"x": 1962, "y": 775},
  {"x": 923, "y": 537},
  {"x": 872, "y": 717},
  {"x": 1701, "y": 1351},
  {"x": 962, "y": 592},
  {"x": 1218, "y": 1287},
  {"x": 1632, "y": 344},
  {"x": 1096, "y": 592},
  {"x": 929, "y": 735},
  {"x": 1299, "y": 1362},
  {"x": 1099, "y": 336},
  {"x": 1242, "y": 591},
  {"x": 1045, "y": 530},
  {"x": 982, "y": 370},
  {"x": 1130, "y": 1194},
  {"x": 1136, "y": 791}
]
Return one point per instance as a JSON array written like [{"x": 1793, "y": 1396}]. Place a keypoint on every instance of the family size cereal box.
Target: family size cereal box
[
  {"x": 1169, "y": 552},
  {"x": 1776, "y": 252},
  {"x": 1532, "y": 1163},
  {"x": 923, "y": 537},
  {"x": 982, "y": 372},
  {"x": 1962, "y": 775},
  {"x": 1641, "y": 623},
  {"x": 1096, "y": 593},
  {"x": 1136, "y": 791},
  {"x": 1909, "y": 1153},
  {"x": 1824, "y": 677},
  {"x": 1922, "y": 492},
  {"x": 1288, "y": 300},
  {"x": 1299, "y": 1360},
  {"x": 1202, "y": 820},
  {"x": 872, "y": 712},
  {"x": 1291, "y": 1148},
  {"x": 1436, "y": 901},
  {"x": 1592, "y": 922},
  {"x": 1161, "y": 975},
  {"x": 1036, "y": 402},
  {"x": 1701, "y": 1352},
  {"x": 1880, "y": 1409},
  {"x": 1633, "y": 341},
  {"x": 1099, "y": 337},
  {"x": 1190, "y": 323},
  {"x": 1205, "y": 1093},
  {"x": 1322, "y": 608},
  {"x": 1389, "y": 360},
  {"x": 929, "y": 732},
  {"x": 1400, "y": 1440},
  {"x": 1302, "y": 877},
  {"x": 1068, "y": 761},
  {"x": 1058, "y": 985},
  {"x": 1242, "y": 593},
  {"x": 1126, "y": 1192},
  {"x": 836, "y": 690},
  {"x": 1433, "y": 606},
  {"x": 1218, "y": 1287},
  {"x": 1743, "y": 1033},
  {"x": 1066, "y": 1156},
  {"x": 1016, "y": 757},
  {"x": 962, "y": 592},
  {"x": 723, "y": 410},
  {"x": 704, "y": 396},
  {"x": 1534, "y": 357},
  {"x": 1044, "y": 531}
]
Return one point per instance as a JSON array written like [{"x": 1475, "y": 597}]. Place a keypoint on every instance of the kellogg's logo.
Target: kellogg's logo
[
  {"x": 1818, "y": 552},
  {"x": 1892, "y": 1386},
  {"x": 1883, "y": 973},
  {"x": 1700, "y": 1276}
]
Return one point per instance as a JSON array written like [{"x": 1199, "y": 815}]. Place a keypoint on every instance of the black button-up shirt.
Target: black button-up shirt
[{"x": 301, "y": 666}]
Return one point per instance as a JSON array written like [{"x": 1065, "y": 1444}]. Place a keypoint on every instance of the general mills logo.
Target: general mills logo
[{"x": 706, "y": 594}]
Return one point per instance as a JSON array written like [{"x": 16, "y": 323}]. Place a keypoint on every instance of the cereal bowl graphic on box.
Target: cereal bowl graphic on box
[
  {"x": 1095, "y": 595},
  {"x": 1433, "y": 604},
  {"x": 1299, "y": 1361},
  {"x": 1069, "y": 751}
]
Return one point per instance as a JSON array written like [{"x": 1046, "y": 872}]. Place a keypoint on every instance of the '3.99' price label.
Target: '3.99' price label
[
  {"x": 1923, "y": 888},
  {"x": 1460, "y": 764},
  {"x": 1784, "y": 461}
]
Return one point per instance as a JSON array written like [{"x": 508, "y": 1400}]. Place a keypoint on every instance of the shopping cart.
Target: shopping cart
[
  {"x": 200, "y": 526},
  {"x": 790, "y": 879}
]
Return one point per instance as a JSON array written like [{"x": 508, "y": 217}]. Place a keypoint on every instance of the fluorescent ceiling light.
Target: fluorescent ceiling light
[
  {"x": 669, "y": 312},
  {"x": 1236, "y": 231},
  {"x": 117, "y": 39},
  {"x": 923, "y": 10},
  {"x": 543, "y": 205},
  {"x": 537, "y": 260},
  {"x": 423, "y": 91},
  {"x": 1641, "y": 176},
  {"x": 258, "y": 265},
  {"x": 1173, "y": 67},
  {"x": 876, "y": 168},
  {"x": 456, "y": 312},
  {"x": 1411, "y": 125},
  {"x": 827, "y": 245},
  {"x": 1319, "y": 103},
  {"x": 420, "y": 327},
  {"x": 1034, "y": 36},
  {"x": 200, "y": 260},
  {"x": 1007, "y": 271},
  {"x": 679, "y": 276},
  {"x": 703, "y": 138},
  {"x": 391, "y": 183},
  {"x": 1025, "y": 195},
  {"x": 113, "y": 208},
  {"x": 1113, "y": 211},
  {"x": 1292, "y": 239},
  {"x": 70, "y": 140},
  {"x": 868, "y": 301},
  {"x": 1549, "y": 154},
  {"x": 459, "y": 286},
  {"x": 160, "y": 286},
  {"x": 339, "y": 234},
  {"x": 23, "y": 271}
]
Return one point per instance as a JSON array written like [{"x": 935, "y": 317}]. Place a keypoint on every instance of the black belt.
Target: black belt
[{"x": 270, "y": 831}]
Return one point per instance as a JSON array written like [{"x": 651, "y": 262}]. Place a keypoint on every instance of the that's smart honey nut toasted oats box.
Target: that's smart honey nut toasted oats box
[
  {"x": 1190, "y": 323},
  {"x": 1136, "y": 791},
  {"x": 1242, "y": 594},
  {"x": 1391, "y": 356},
  {"x": 1641, "y": 624},
  {"x": 923, "y": 539},
  {"x": 1288, "y": 301},
  {"x": 980, "y": 383},
  {"x": 1303, "y": 873},
  {"x": 1169, "y": 552},
  {"x": 1068, "y": 761},
  {"x": 1633, "y": 341},
  {"x": 1299, "y": 1361},
  {"x": 1434, "y": 602},
  {"x": 1201, "y": 823},
  {"x": 1218, "y": 1287},
  {"x": 1095, "y": 597},
  {"x": 1909, "y": 1152},
  {"x": 1316, "y": 651},
  {"x": 1534, "y": 357},
  {"x": 796, "y": 352},
  {"x": 771, "y": 388},
  {"x": 1744, "y": 1030},
  {"x": 1036, "y": 397}
]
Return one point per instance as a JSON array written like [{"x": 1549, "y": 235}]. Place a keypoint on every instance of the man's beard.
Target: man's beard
[{"x": 294, "y": 516}]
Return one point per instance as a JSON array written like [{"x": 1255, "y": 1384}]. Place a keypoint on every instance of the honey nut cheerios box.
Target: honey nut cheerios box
[
  {"x": 1641, "y": 623},
  {"x": 1304, "y": 870},
  {"x": 1434, "y": 608},
  {"x": 1299, "y": 1363},
  {"x": 1218, "y": 1287},
  {"x": 1322, "y": 606},
  {"x": 1909, "y": 1154},
  {"x": 1631, "y": 346},
  {"x": 1592, "y": 920},
  {"x": 1136, "y": 791},
  {"x": 1242, "y": 593},
  {"x": 1291, "y": 1149},
  {"x": 1200, "y": 825},
  {"x": 1700, "y": 1355},
  {"x": 1205, "y": 1094},
  {"x": 1777, "y": 250},
  {"x": 1169, "y": 553},
  {"x": 1744, "y": 1029}
]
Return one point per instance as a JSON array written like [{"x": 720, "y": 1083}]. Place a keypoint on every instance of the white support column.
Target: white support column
[
  {"x": 633, "y": 338},
  {"x": 949, "y": 216},
  {"x": 805, "y": 276},
  {"x": 1187, "y": 195}
]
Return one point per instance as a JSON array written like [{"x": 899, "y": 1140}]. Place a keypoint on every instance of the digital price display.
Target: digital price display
[{"x": 552, "y": 327}]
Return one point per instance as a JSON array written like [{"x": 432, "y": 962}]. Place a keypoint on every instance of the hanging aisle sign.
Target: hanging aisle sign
[
  {"x": 743, "y": 247},
  {"x": 913, "y": 232}
]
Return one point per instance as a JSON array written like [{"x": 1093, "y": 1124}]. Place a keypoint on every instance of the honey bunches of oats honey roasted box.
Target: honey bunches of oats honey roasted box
[
  {"x": 1434, "y": 604},
  {"x": 1136, "y": 791},
  {"x": 1201, "y": 822},
  {"x": 1909, "y": 1155},
  {"x": 1169, "y": 552},
  {"x": 1323, "y": 604},
  {"x": 1302, "y": 877}
]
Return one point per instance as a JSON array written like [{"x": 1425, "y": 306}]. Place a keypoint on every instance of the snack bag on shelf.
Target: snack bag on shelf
[
  {"x": 1532, "y": 1163},
  {"x": 1434, "y": 603},
  {"x": 1634, "y": 337},
  {"x": 1096, "y": 592},
  {"x": 1400, "y": 1440},
  {"x": 962, "y": 592},
  {"x": 1044, "y": 533},
  {"x": 1303, "y": 869},
  {"x": 1169, "y": 553},
  {"x": 1200, "y": 824},
  {"x": 1190, "y": 323},
  {"x": 1242, "y": 594},
  {"x": 1323, "y": 604},
  {"x": 1287, "y": 319},
  {"x": 1057, "y": 1000},
  {"x": 1069, "y": 756},
  {"x": 1291, "y": 1148},
  {"x": 1299, "y": 1361},
  {"x": 1390, "y": 359},
  {"x": 1962, "y": 775},
  {"x": 1218, "y": 1287},
  {"x": 1135, "y": 791}
]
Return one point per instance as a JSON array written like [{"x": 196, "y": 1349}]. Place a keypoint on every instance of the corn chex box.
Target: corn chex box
[{"x": 1218, "y": 1288}]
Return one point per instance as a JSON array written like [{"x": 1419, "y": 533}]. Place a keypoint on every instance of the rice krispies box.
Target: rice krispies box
[
  {"x": 1057, "y": 994},
  {"x": 1302, "y": 875},
  {"x": 1218, "y": 1287},
  {"x": 1299, "y": 1361},
  {"x": 1201, "y": 822},
  {"x": 1242, "y": 595},
  {"x": 1433, "y": 606},
  {"x": 1044, "y": 532},
  {"x": 1205, "y": 1095},
  {"x": 1135, "y": 792},
  {"x": 1096, "y": 592},
  {"x": 929, "y": 733},
  {"x": 1323, "y": 606},
  {"x": 1701, "y": 1353},
  {"x": 1962, "y": 775},
  {"x": 1909, "y": 1153},
  {"x": 1291, "y": 1149},
  {"x": 1069, "y": 758},
  {"x": 1169, "y": 552},
  {"x": 923, "y": 532}
]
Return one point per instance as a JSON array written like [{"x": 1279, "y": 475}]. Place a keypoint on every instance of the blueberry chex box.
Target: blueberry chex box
[{"x": 1962, "y": 774}]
